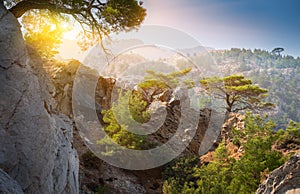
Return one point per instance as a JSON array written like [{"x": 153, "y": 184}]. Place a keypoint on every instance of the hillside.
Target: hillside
[{"x": 279, "y": 74}]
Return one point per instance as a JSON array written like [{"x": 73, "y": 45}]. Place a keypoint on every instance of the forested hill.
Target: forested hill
[{"x": 280, "y": 74}]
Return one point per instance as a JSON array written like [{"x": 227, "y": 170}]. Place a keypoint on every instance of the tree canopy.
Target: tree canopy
[
  {"x": 118, "y": 120},
  {"x": 238, "y": 93},
  {"x": 96, "y": 18},
  {"x": 156, "y": 83},
  {"x": 93, "y": 15},
  {"x": 45, "y": 33}
]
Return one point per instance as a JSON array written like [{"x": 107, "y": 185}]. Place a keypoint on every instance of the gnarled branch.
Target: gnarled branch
[{"x": 23, "y": 6}]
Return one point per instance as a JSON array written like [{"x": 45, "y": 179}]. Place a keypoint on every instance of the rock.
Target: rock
[
  {"x": 170, "y": 118},
  {"x": 105, "y": 87},
  {"x": 94, "y": 173},
  {"x": 62, "y": 76},
  {"x": 9, "y": 185},
  {"x": 234, "y": 121},
  {"x": 35, "y": 142},
  {"x": 97, "y": 175},
  {"x": 285, "y": 179}
]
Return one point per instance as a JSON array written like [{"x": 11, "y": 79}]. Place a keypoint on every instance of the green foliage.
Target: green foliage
[
  {"x": 179, "y": 174},
  {"x": 238, "y": 93},
  {"x": 45, "y": 32},
  {"x": 129, "y": 108},
  {"x": 215, "y": 176},
  {"x": 96, "y": 18},
  {"x": 289, "y": 139},
  {"x": 257, "y": 139},
  {"x": 255, "y": 126},
  {"x": 156, "y": 83},
  {"x": 225, "y": 174},
  {"x": 278, "y": 74},
  {"x": 138, "y": 108},
  {"x": 162, "y": 80},
  {"x": 123, "y": 14},
  {"x": 293, "y": 129},
  {"x": 277, "y": 51},
  {"x": 102, "y": 189}
]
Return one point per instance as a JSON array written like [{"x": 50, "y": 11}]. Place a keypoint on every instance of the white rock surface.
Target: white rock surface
[
  {"x": 35, "y": 143},
  {"x": 285, "y": 179},
  {"x": 9, "y": 185}
]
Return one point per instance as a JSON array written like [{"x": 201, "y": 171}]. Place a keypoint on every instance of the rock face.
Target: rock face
[
  {"x": 35, "y": 142},
  {"x": 285, "y": 179},
  {"x": 9, "y": 185},
  {"x": 101, "y": 174},
  {"x": 96, "y": 175}
]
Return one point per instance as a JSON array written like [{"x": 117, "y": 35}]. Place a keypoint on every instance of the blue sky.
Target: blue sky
[{"x": 222, "y": 24}]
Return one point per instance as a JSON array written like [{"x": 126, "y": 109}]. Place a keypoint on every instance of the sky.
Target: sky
[{"x": 225, "y": 24}]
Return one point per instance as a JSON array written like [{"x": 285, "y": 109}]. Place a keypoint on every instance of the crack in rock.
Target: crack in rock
[{"x": 14, "y": 111}]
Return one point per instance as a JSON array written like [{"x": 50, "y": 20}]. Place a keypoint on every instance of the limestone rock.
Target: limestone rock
[
  {"x": 35, "y": 143},
  {"x": 169, "y": 108},
  {"x": 96, "y": 175},
  {"x": 9, "y": 185},
  {"x": 285, "y": 179}
]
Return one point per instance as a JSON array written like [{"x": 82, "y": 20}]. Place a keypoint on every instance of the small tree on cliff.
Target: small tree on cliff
[
  {"x": 157, "y": 83},
  {"x": 237, "y": 92}
]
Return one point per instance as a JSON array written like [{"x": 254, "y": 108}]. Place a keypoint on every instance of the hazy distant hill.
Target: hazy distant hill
[{"x": 196, "y": 50}]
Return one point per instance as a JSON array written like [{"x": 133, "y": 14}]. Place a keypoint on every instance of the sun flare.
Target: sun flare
[
  {"x": 71, "y": 31},
  {"x": 70, "y": 35}
]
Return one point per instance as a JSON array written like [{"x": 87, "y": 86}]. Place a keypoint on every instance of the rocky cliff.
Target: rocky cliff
[
  {"x": 36, "y": 131},
  {"x": 35, "y": 142},
  {"x": 285, "y": 179},
  {"x": 94, "y": 173}
]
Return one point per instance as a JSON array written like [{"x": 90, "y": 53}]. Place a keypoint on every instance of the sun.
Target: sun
[
  {"x": 70, "y": 35},
  {"x": 70, "y": 31},
  {"x": 69, "y": 48}
]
